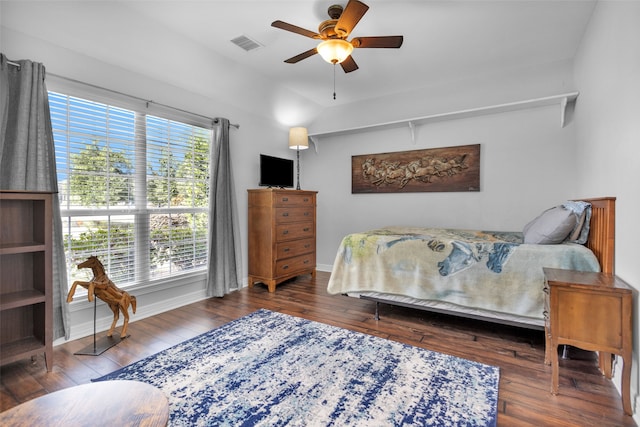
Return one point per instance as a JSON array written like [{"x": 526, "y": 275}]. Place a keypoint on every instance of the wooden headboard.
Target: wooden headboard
[{"x": 602, "y": 230}]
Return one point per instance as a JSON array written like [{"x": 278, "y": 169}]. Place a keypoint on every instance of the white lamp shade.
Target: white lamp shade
[
  {"x": 334, "y": 51},
  {"x": 298, "y": 138}
]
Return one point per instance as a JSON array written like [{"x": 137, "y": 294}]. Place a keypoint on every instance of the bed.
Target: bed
[{"x": 490, "y": 276}]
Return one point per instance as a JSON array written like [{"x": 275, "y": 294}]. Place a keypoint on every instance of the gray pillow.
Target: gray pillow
[{"x": 550, "y": 227}]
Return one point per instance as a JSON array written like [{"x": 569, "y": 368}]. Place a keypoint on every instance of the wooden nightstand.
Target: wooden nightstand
[{"x": 591, "y": 311}]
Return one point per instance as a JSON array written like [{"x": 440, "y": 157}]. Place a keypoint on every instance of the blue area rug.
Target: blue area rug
[{"x": 272, "y": 369}]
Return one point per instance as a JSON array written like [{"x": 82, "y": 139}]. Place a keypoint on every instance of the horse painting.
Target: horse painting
[{"x": 103, "y": 288}]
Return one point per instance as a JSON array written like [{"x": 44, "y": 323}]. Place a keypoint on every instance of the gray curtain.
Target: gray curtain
[
  {"x": 225, "y": 264},
  {"x": 27, "y": 158}
]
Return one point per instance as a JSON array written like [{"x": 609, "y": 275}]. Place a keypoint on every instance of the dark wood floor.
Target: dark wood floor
[{"x": 586, "y": 398}]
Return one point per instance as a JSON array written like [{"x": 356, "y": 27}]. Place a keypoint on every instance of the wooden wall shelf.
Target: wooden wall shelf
[{"x": 563, "y": 100}]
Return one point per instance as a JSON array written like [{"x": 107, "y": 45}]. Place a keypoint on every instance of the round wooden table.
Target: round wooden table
[{"x": 113, "y": 403}]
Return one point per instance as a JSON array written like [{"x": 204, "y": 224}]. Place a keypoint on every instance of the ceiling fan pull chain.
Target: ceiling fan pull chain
[{"x": 334, "y": 80}]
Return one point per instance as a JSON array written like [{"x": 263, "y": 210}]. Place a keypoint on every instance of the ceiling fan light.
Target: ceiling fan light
[{"x": 334, "y": 51}]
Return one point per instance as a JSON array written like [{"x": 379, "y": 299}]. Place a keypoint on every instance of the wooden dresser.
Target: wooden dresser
[{"x": 282, "y": 235}]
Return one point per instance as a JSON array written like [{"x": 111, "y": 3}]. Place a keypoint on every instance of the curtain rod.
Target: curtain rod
[
  {"x": 15, "y": 64},
  {"x": 237, "y": 126},
  {"x": 216, "y": 120}
]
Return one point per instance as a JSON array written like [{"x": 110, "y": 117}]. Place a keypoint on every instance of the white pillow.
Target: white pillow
[{"x": 550, "y": 227}]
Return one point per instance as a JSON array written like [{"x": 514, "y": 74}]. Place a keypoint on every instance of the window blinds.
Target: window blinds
[{"x": 133, "y": 189}]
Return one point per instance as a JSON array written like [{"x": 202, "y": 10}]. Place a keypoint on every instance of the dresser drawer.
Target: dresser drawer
[
  {"x": 292, "y": 214},
  {"x": 294, "y": 230},
  {"x": 292, "y": 199},
  {"x": 302, "y": 262},
  {"x": 294, "y": 247}
]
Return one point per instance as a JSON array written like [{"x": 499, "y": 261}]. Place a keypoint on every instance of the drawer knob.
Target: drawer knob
[
  {"x": 285, "y": 267},
  {"x": 286, "y": 249},
  {"x": 306, "y": 261},
  {"x": 305, "y": 229},
  {"x": 285, "y": 214},
  {"x": 285, "y": 199},
  {"x": 285, "y": 232}
]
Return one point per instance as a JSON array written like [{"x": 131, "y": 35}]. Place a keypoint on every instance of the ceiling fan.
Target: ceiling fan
[{"x": 333, "y": 32}]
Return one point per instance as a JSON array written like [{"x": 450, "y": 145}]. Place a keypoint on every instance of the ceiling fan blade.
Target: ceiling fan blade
[
  {"x": 349, "y": 65},
  {"x": 295, "y": 29},
  {"x": 351, "y": 15},
  {"x": 301, "y": 56},
  {"x": 382, "y": 41}
]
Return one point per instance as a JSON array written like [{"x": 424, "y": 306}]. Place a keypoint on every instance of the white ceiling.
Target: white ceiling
[{"x": 443, "y": 40}]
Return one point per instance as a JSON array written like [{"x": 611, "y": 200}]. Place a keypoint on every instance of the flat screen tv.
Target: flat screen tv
[{"x": 275, "y": 172}]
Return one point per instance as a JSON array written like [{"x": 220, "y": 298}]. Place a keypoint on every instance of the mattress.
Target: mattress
[{"x": 463, "y": 270}]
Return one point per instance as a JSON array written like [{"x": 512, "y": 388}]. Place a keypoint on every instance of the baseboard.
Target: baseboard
[
  {"x": 103, "y": 323},
  {"x": 324, "y": 267}
]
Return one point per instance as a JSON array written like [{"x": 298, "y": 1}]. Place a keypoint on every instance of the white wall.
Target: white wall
[
  {"x": 132, "y": 41},
  {"x": 481, "y": 90},
  {"x": 511, "y": 183},
  {"x": 527, "y": 158},
  {"x": 528, "y": 161},
  {"x": 256, "y": 135},
  {"x": 607, "y": 72},
  {"x": 526, "y": 166}
]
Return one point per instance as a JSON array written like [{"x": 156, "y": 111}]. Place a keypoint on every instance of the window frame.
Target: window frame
[{"x": 142, "y": 283}]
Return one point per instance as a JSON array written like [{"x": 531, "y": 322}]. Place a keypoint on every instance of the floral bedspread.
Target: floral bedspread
[{"x": 477, "y": 269}]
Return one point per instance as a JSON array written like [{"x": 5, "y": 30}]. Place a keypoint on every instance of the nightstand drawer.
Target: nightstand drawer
[
  {"x": 585, "y": 316},
  {"x": 293, "y": 214},
  {"x": 299, "y": 263},
  {"x": 294, "y": 247},
  {"x": 295, "y": 230}
]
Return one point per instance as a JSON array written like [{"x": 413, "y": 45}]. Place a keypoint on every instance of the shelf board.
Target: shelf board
[
  {"x": 562, "y": 100},
  {"x": 21, "y": 299},
  {"x": 21, "y": 248},
  {"x": 20, "y": 349}
]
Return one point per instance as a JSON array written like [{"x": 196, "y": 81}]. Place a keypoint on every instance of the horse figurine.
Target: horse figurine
[{"x": 103, "y": 288}]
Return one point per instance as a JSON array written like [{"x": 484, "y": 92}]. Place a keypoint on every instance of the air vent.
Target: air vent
[{"x": 246, "y": 43}]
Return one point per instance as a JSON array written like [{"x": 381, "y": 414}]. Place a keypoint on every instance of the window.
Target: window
[{"x": 133, "y": 190}]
